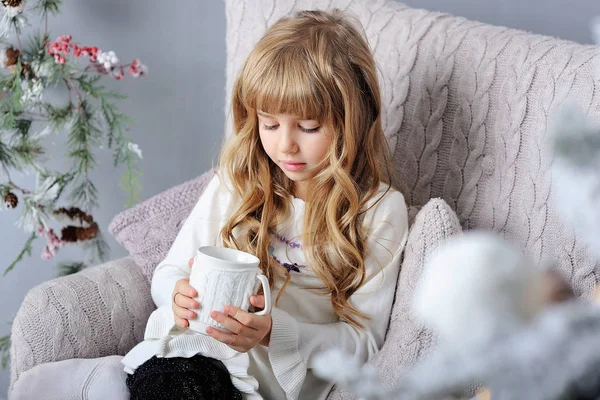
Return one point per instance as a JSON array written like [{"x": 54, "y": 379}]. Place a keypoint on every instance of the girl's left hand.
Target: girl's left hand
[{"x": 247, "y": 329}]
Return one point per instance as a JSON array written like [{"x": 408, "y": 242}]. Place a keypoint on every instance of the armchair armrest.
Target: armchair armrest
[{"x": 97, "y": 312}]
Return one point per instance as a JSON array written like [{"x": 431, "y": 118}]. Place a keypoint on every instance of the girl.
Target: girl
[{"x": 304, "y": 184}]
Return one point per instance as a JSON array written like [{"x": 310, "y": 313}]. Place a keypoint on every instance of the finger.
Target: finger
[
  {"x": 233, "y": 325},
  {"x": 184, "y": 323},
  {"x": 238, "y": 343},
  {"x": 191, "y": 262},
  {"x": 183, "y": 313},
  {"x": 184, "y": 301},
  {"x": 185, "y": 288},
  {"x": 258, "y": 301},
  {"x": 245, "y": 318}
]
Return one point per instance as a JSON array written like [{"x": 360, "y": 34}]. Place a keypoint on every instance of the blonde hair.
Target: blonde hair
[{"x": 315, "y": 65}]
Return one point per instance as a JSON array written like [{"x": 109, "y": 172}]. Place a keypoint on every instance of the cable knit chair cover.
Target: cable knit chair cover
[{"x": 466, "y": 108}]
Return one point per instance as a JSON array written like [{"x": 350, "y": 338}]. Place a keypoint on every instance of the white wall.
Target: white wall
[{"x": 565, "y": 19}]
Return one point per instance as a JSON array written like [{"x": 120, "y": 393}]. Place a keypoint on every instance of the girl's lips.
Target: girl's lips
[{"x": 293, "y": 167}]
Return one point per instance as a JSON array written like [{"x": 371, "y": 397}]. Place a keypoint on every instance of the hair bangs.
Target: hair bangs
[{"x": 287, "y": 85}]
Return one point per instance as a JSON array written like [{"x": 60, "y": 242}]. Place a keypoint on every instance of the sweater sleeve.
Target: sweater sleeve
[
  {"x": 201, "y": 228},
  {"x": 293, "y": 344}
]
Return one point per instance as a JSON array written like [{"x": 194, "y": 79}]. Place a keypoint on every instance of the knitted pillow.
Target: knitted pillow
[
  {"x": 407, "y": 340},
  {"x": 148, "y": 230}
]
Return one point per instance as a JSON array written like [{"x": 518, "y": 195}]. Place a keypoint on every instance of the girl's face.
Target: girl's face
[{"x": 296, "y": 145}]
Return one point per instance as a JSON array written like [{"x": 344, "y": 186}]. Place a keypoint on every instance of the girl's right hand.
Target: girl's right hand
[{"x": 183, "y": 301}]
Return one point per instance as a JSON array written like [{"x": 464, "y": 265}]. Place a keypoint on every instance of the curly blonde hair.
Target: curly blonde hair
[{"x": 315, "y": 65}]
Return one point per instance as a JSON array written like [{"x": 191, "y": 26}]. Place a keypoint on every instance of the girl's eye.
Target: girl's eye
[
  {"x": 310, "y": 130},
  {"x": 306, "y": 130}
]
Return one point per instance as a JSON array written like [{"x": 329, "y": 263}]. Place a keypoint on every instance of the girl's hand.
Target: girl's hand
[
  {"x": 248, "y": 330},
  {"x": 183, "y": 302}
]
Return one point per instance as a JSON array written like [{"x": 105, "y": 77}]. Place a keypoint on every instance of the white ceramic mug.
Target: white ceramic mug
[{"x": 224, "y": 276}]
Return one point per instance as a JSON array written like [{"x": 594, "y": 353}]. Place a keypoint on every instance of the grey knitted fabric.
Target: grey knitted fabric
[
  {"x": 97, "y": 312},
  {"x": 466, "y": 108},
  {"x": 407, "y": 340}
]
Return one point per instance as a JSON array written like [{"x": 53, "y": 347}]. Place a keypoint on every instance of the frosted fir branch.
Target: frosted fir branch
[
  {"x": 26, "y": 151},
  {"x": 85, "y": 134},
  {"x": 12, "y": 21},
  {"x": 87, "y": 116},
  {"x": 4, "y": 189},
  {"x": 4, "y": 351},
  {"x": 96, "y": 249},
  {"x": 7, "y": 159},
  {"x": 574, "y": 137},
  {"x": 45, "y": 7},
  {"x": 60, "y": 118},
  {"x": 575, "y": 177},
  {"x": 344, "y": 370},
  {"x": 33, "y": 91},
  {"x": 116, "y": 122},
  {"x": 135, "y": 149},
  {"x": 85, "y": 195},
  {"x": 65, "y": 269},
  {"x": 32, "y": 216}
]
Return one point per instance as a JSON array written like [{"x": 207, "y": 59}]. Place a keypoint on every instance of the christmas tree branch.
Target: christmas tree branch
[
  {"x": 11, "y": 184},
  {"x": 18, "y": 36},
  {"x": 26, "y": 250},
  {"x": 46, "y": 7},
  {"x": 65, "y": 269},
  {"x": 115, "y": 123},
  {"x": 88, "y": 115},
  {"x": 4, "y": 350},
  {"x": 130, "y": 182}
]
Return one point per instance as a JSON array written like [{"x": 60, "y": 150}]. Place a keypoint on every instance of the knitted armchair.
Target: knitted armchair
[{"x": 466, "y": 107}]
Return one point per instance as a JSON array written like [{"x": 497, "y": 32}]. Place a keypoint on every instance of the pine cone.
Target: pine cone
[
  {"x": 68, "y": 234},
  {"x": 73, "y": 234},
  {"x": 11, "y": 200},
  {"x": 11, "y": 3},
  {"x": 74, "y": 213},
  {"x": 11, "y": 57},
  {"x": 27, "y": 71}
]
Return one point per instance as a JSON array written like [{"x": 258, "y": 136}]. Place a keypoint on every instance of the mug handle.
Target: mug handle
[{"x": 267, "y": 292}]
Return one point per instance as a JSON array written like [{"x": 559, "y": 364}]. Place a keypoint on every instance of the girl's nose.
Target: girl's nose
[{"x": 287, "y": 144}]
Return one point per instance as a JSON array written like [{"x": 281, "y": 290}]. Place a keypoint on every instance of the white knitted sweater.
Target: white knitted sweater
[{"x": 303, "y": 320}]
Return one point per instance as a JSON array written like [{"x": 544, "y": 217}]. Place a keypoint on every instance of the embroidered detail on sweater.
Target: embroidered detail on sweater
[
  {"x": 293, "y": 245},
  {"x": 290, "y": 267}
]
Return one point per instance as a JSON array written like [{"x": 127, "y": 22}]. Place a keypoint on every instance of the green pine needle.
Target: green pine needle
[
  {"x": 26, "y": 250},
  {"x": 4, "y": 350},
  {"x": 4, "y": 189},
  {"x": 97, "y": 249},
  {"x": 48, "y": 7},
  {"x": 88, "y": 85},
  {"x": 36, "y": 47},
  {"x": 85, "y": 194},
  {"x": 26, "y": 153},
  {"x": 130, "y": 183},
  {"x": 69, "y": 268},
  {"x": 7, "y": 159}
]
